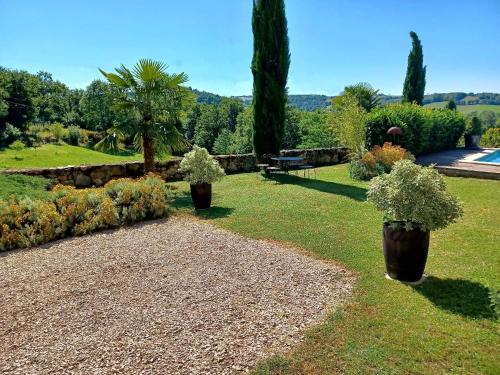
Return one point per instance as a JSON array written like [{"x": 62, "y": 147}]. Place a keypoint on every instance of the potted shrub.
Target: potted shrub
[
  {"x": 414, "y": 201},
  {"x": 201, "y": 171},
  {"x": 472, "y": 134}
]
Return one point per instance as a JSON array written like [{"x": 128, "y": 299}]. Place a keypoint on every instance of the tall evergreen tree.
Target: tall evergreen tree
[
  {"x": 270, "y": 63},
  {"x": 451, "y": 105},
  {"x": 414, "y": 86}
]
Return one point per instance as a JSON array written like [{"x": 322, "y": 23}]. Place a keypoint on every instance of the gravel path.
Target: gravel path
[{"x": 174, "y": 296}]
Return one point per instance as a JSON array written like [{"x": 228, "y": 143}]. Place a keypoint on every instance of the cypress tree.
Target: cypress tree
[
  {"x": 270, "y": 63},
  {"x": 414, "y": 86},
  {"x": 451, "y": 105}
]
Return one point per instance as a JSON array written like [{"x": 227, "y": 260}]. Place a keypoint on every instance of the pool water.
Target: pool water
[{"x": 494, "y": 157}]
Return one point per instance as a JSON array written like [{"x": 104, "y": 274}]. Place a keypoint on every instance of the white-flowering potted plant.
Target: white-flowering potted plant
[
  {"x": 201, "y": 171},
  {"x": 414, "y": 201}
]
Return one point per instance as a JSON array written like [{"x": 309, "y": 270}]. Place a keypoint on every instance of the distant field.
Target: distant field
[
  {"x": 59, "y": 155},
  {"x": 468, "y": 108}
]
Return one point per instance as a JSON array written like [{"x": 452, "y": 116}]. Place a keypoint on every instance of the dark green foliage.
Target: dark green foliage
[
  {"x": 366, "y": 95},
  {"x": 491, "y": 138},
  {"x": 19, "y": 91},
  {"x": 207, "y": 127},
  {"x": 270, "y": 63},
  {"x": 204, "y": 97},
  {"x": 315, "y": 131},
  {"x": 222, "y": 145},
  {"x": 451, "y": 105},
  {"x": 414, "y": 86},
  {"x": 9, "y": 134},
  {"x": 474, "y": 126},
  {"x": 424, "y": 130},
  {"x": 229, "y": 110},
  {"x": 292, "y": 137}
]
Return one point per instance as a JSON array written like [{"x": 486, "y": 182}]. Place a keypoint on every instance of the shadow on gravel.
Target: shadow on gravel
[
  {"x": 349, "y": 191},
  {"x": 467, "y": 298}
]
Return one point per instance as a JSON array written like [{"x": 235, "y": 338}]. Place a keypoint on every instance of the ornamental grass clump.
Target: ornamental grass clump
[
  {"x": 200, "y": 167},
  {"x": 69, "y": 211},
  {"x": 412, "y": 196}
]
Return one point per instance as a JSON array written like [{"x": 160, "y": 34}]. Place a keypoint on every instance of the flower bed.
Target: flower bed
[{"x": 68, "y": 211}]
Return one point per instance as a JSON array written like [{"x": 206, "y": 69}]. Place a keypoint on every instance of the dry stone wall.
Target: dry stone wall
[{"x": 98, "y": 175}]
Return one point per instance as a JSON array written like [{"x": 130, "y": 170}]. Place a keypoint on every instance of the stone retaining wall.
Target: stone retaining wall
[{"x": 98, "y": 175}]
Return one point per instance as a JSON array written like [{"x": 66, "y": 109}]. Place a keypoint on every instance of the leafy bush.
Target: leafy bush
[
  {"x": 68, "y": 211},
  {"x": 73, "y": 136},
  {"x": 474, "y": 126},
  {"x": 491, "y": 138},
  {"x": 17, "y": 146},
  {"x": 9, "y": 135},
  {"x": 58, "y": 131},
  {"x": 412, "y": 196},
  {"x": 377, "y": 161},
  {"x": 200, "y": 167},
  {"x": 349, "y": 121},
  {"x": 425, "y": 130}
]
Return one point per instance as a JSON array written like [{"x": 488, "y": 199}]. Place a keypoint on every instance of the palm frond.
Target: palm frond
[
  {"x": 115, "y": 79},
  {"x": 148, "y": 70},
  {"x": 110, "y": 143}
]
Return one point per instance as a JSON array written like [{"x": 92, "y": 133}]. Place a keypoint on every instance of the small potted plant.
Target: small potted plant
[
  {"x": 472, "y": 134},
  {"x": 414, "y": 201},
  {"x": 201, "y": 171}
]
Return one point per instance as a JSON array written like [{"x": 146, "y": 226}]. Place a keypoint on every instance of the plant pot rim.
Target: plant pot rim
[{"x": 413, "y": 223}]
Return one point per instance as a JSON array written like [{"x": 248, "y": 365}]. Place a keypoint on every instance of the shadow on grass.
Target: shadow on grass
[
  {"x": 467, "y": 298},
  {"x": 182, "y": 202},
  {"x": 349, "y": 191}
]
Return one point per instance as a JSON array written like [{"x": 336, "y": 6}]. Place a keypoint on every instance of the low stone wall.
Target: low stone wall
[{"x": 98, "y": 175}]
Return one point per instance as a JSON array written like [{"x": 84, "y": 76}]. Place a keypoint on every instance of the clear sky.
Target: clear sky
[{"x": 333, "y": 43}]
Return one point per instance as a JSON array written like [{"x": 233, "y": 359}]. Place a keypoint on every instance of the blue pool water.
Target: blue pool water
[{"x": 494, "y": 157}]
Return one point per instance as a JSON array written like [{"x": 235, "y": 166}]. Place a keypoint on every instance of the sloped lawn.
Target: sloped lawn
[
  {"x": 445, "y": 325},
  {"x": 52, "y": 155}
]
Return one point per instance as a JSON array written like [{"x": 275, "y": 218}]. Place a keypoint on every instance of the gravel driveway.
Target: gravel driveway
[{"x": 174, "y": 296}]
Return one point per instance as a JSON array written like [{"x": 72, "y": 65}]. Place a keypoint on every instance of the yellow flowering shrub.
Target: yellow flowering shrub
[
  {"x": 378, "y": 161},
  {"x": 69, "y": 211}
]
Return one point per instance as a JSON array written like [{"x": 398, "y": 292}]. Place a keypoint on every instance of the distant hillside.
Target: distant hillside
[
  {"x": 469, "y": 108},
  {"x": 460, "y": 98},
  {"x": 313, "y": 102}
]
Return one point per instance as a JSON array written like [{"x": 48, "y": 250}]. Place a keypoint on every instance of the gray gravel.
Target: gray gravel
[{"x": 174, "y": 296}]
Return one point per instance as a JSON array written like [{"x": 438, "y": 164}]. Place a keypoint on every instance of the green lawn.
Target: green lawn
[
  {"x": 468, "y": 108},
  {"x": 52, "y": 155},
  {"x": 443, "y": 326},
  {"x": 19, "y": 185}
]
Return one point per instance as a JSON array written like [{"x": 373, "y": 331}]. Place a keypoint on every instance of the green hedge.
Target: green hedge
[
  {"x": 491, "y": 138},
  {"x": 425, "y": 130}
]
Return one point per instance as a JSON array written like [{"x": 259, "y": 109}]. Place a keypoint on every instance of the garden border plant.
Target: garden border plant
[
  {"x": 414, "y": 201},
  {"x": 69, "y": 211}
]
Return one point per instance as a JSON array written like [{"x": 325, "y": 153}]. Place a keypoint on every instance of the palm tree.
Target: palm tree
[{"x": 157, "y": 99}]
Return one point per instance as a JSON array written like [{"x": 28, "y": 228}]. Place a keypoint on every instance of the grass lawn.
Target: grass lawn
[
  {"x": 468, "y": 108},
  {"x": 52, "y": 155},
  {"x": 443, "y": 326},
  {"x": 19, "y": 185}
]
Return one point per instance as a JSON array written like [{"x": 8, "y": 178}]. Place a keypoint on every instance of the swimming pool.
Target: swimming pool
[{"x": 494, "y": 157}]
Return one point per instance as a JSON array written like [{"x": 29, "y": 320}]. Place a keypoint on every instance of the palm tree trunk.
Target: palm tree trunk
[{"x": 149, "y": 154}]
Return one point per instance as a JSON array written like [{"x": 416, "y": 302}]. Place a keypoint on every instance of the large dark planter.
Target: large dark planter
[
  {"x": 405, "y": 253},
  {"x": 472, "y": 141},
  {"x": 202, "y": 195}
]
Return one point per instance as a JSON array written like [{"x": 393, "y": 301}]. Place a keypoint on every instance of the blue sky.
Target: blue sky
[{"x": 333, "y": 43}]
